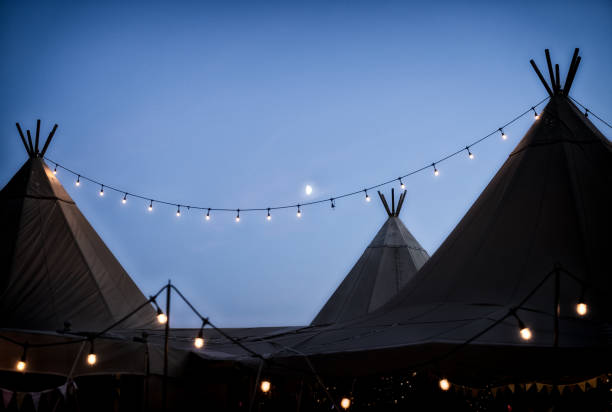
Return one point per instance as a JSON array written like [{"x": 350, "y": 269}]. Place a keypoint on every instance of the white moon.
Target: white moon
[{"x": 308, "y": 190}]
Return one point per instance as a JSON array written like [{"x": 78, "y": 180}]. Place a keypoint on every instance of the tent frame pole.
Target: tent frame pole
[
  {"x": 166, "y": 333},
  {"x": 557, "y": 308}
]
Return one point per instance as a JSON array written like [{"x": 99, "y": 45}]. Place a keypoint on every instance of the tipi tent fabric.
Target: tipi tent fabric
[
  {"x": 547, "y": 208},
  {"x": 54, "y": 266},
  {"x": 388, "y": 263}
]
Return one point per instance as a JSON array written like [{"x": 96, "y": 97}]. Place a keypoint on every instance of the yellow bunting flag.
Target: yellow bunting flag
[{"x": 511, "y": 387}]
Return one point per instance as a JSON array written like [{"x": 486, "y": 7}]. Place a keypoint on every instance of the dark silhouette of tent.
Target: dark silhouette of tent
[
  {"x": 54, "y": 268},
  {"x": 534, "y": 244},
  {"x": 387, "y": 264}
]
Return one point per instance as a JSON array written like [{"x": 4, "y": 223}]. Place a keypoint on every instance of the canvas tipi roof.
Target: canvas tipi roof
[
  {"x": 54, "y": 267},
  {"x": 387, "y": 264},
  {"x": 546, "y": 211}
]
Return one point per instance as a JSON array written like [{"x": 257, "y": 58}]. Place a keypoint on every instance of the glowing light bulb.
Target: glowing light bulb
[
  {"x": 21, "y": 365},
  {"x": 444, "y": 384},
  {"x": 345, "y": 403},
  {"x": 269, "y": 217},
  {"x": 470, "y": 154},
  {"x": 299, "y": 212},
  {"x": 178, "y": 212},
  {"x": 198, "y": 342},
  {"x": 525, "y": 333},
  {"x": 504, "y": 136},
  {"x": 151, "y": 206},
  {"x": 402, "y": 185},
  {"x": 238, "y": 216},
  {"x": 265, "y": 386},
  {"x": 582, "y": 309},
  {"x": 124, "y": 200},
  {"x": 208, "y": 215},
  {"x": 55, "y": 170},
  {"x": 101, "y": 190},
  {"x": 161, "y": 317},
  {"x": 78, "y": 181},
  {"x": 367, "y": 197},
  {"x": 92, "y": 359}
]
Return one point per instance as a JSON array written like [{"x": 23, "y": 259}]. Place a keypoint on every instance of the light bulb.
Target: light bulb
[
  {"x": 582, "y": 308},
  {"x": 238, "y": 215},
  {"x": 124, "y": 200},
  {"x": 299, "y": 212},
  {"x": 436, "y": 173},
  {"x": 151, "y": 206},
  {"x": 525, "y": 333},
  {"x": 402, "y": 185},
  {"x": 198, "y": 342},
  {"x": 207, "y": 217},
  {"x": 367, "y": 198},
  {"x": 536, "y": 116},
  {"x": 471, "y": 155},
  {"x": 444, "y": 384},
  {"x": 78, "y": 181},
  {"x": 54, "y": 172},
  {"x": 92, "y": 359},
  {"x": 269, "y": 217},
  {"x": 504, "y": 136},
  {"x": 101, "y": 190},
  {"x": 21, "y": 365},
  {"x": 178, "y": 211},
  {"x": 345, "y": 403},
  {"x": 162, "y": 318},
  {"x": 265, "y": 386}
]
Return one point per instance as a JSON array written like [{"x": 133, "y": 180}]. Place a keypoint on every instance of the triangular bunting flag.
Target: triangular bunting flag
[
  {"x": 511, "y": 387},
  {"x": 592, "y": 382},
  {"x": 528, "y": 386},
  {"x": 62, "y": 390},
  {"x": 20, "y": 397},
  {"x": 582, "y": 386},
  {"x": 561, "y": 388},
  {"x": 6, "y": 397},
  {"x": 539, "y": 386},
  {"x": 36, "y": 399},
  {"x": 494, "y": 391}
]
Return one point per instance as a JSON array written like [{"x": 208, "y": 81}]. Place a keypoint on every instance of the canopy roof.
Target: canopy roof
[
  {"x": 387, "y": 264},
  {"x": 54, "y": 268}
]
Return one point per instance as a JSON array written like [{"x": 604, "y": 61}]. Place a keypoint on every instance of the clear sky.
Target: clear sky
[{"x": 241, "y": 104}]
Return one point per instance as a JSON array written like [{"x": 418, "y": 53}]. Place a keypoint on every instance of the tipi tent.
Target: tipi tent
[
  {"x": 388, "y": 263},
  {"x": 533, "y": 246},
  {"x": 54, "y": 268}
]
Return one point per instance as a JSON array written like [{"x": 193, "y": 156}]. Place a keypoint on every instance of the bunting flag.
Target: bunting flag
[
  {"x": 6, "y": 397},
  {"x": 20, "y": 397},
  {"x": 539, "y": 386},
  {"x": 511, "y": 387},
  {"x": 528, "y": 386},
  {"x": 62, "y": 389},
  {"x": 593, "y": 382},
  {"x": 582, "y": 386},
  {"x": 36, "y": 399}
]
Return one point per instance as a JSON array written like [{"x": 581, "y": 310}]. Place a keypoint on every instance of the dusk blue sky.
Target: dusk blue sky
[{"x": 241, "y": 104}]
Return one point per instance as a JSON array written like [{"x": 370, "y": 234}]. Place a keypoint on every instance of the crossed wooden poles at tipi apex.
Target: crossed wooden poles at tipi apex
[
  {"x": 555, "y": 80},
  {"x": 32, "y": 149}
]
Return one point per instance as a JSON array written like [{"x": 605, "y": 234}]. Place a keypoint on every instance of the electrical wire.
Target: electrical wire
[
  {"x": 589, "y": 111},
  {"x": 332, "y": 199}
]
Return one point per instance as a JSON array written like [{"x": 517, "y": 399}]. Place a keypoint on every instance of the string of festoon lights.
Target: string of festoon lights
[
  {"x": 152, "y": 201},
  {"x": 525, "y": 333}
]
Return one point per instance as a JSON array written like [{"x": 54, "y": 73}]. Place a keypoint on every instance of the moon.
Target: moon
[{"x": 308, "y": 190}]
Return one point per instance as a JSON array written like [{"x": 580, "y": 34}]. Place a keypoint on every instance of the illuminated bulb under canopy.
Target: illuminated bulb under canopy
[
  {"x": 582, "y": 309},
  {"x": 198, "y": 342},
  {"x": 21, "y": 365},
  {"x": 162, "y": 318},
  {"x": 444, "y": 384},
  {"x": 345, "y": 403},
  {"x": 92, "y": 359},
  {"x": 265, "y": 386},
  {"x": 525, "y": 333}
]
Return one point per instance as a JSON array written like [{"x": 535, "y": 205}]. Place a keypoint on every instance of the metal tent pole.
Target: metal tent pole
[{"x": 165, "y": 380}]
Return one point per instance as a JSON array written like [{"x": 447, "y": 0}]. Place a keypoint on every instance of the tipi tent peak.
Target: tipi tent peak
[
  {"x": 54, "y": 268},
  {"x": 388, "y": 263}
]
